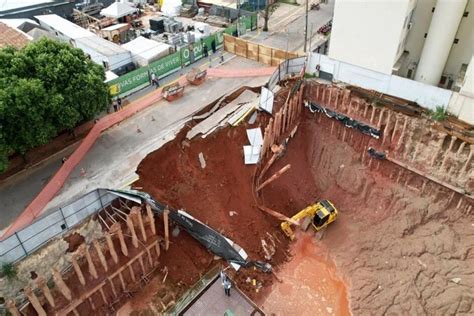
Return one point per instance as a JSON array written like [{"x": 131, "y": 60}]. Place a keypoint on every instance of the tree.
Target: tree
[
  {"x": 46, "y": 88},
  {"x": 269, "y": 9}
]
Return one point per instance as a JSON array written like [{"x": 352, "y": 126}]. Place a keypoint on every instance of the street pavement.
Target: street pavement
[{"x": 287, "y": 25}]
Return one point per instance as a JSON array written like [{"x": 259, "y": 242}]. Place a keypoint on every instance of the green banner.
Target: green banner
[
  {"x": 219, "y": 38},
  {"x": 191, "y": 53},
  {"x": 165, "y": 65},
  {"x": 130, "y": 81}
]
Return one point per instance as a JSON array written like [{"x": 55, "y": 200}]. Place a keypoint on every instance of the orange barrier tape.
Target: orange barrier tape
[{"x": 245, "y": 72}]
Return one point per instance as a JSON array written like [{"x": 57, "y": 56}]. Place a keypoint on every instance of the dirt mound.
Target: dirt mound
[{"x": 220, "y": 195}]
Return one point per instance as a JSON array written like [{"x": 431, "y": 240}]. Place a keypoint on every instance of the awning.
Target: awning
[{"x": 117, "y": 10}]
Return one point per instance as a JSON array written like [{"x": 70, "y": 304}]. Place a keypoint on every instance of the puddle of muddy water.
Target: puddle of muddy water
[{"x": 310, "y": 283}]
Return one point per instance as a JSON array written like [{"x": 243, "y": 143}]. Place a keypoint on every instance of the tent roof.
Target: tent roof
[
  {"x": 146, "y": 48},
  {"x": 118, "y": 10}
]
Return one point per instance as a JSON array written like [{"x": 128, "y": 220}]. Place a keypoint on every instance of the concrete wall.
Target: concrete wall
[
  {"x": 468, "y": 85},
  {"x": 368, "y": 33},
  {"x": 462, "y": 107},
  {"x": 425, "y": 95},
  {"x": 55, "y": 223}
]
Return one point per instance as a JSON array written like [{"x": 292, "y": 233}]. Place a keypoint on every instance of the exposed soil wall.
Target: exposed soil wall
[
  {"x": 402, "y": 243},
  {"x": 403, "y": 250}
]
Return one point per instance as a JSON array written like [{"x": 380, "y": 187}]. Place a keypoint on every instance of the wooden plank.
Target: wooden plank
[
  {"x": 252, "y": 51},
  {"x": 265, "y": 59},
  {"x": 275, "y": 62},
  {"x": 264, "y": 50},
  {"x": 229, "y": 43},
  {"x": 281, "y": 54}
]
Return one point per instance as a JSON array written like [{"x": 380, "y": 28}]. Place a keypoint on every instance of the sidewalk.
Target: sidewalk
[{"x": 287, "y": 25}]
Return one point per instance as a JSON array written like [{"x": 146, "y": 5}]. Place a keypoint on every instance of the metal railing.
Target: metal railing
[
  {"x": 29, "y": 239},
  {"x": 285, "y": 68}
]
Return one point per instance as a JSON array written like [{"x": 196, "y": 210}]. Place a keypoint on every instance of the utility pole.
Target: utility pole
[
  {"x": 306, "y": 28},
  {"x": 310, "y": 37}
]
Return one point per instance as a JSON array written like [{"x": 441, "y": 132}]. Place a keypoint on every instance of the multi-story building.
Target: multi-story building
[{"x": 430, "y": 41}]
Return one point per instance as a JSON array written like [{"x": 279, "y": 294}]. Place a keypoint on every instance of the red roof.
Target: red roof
[{"x": 12, "y": 37}]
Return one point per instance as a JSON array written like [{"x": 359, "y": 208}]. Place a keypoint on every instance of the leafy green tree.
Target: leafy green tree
[
  {"x": 46, "y": 88},
  {"x": 267, "y": 12}
]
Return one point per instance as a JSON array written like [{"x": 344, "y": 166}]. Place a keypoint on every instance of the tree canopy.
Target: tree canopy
[{"x": 46, "y": 88}]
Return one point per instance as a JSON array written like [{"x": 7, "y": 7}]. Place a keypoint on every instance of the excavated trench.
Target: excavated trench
[
  {"x": 399, "y": 251},
  {"x": 401, "y": 245}
]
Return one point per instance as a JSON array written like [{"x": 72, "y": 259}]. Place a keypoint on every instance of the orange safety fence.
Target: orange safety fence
[
  {"x": 34, "y": 209},
  {"x": 245, "y": 72}
]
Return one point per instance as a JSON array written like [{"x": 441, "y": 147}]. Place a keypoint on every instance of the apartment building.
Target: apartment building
[{"x": 430, "y": 41}]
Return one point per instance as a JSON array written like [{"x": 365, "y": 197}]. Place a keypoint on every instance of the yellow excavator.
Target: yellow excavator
[{"x": 319, "y": 215}]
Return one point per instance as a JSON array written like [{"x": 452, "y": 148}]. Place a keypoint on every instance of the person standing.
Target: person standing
[
  {"x": 222, "y": 56},
  {"x": 154, "y": 80},
  {"x": 227, "y": 285},
  {"x": 119, "y": 103},
  {"x": 115, "y": 106}
]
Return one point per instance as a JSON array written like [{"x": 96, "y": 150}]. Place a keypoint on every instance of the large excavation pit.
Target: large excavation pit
[{"x": 402, "y": 243}]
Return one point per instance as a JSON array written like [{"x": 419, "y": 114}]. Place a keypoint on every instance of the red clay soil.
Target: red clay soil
[
  {"x": 173, "y": 176},
  {"x": 388, "y": 244},
  {"x": 399, "y": 250},
  {"x": 74, "y": 240}
]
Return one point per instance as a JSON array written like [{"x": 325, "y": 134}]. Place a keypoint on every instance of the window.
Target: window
[
  {"x": 426, "y": 34},
  {"x": 466, "y": 14},
  {"x": 456, "y": 40},
  {"x": 450, "y": 84},
  {"x": 442, "y": 81},
  {"x": 432, "y": 10},
  {"x": 409, "y": 73}
]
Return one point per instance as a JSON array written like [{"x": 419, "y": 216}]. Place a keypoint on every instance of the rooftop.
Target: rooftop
[
  {"x": 63, "y": 26},
  {"x": 7, "y": 5},
  {"x": 115, "y": 27},
  {"x": 12, "y": 37},
  {"x": 101, "y": 45},
  {"x": 146, "y": 48}
]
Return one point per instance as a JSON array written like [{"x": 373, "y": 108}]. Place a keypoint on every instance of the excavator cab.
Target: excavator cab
[
  {"x": 319, "y": 215},
  {"x": 325, "y": 214}
]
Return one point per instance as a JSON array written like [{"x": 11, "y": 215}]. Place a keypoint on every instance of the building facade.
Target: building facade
[
  {"x": 370, "y": 33},
  {"x": 430, "y": 41}
]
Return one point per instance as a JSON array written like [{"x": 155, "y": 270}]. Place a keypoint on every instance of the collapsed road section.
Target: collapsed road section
[
  {"x": 401, "y": 183},
  {"x": 401, "y": 220}
]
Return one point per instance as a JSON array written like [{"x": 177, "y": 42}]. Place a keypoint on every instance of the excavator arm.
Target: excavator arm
[
  {"x": 320, "y": 214},
  {"x": 306, "y": 212}
]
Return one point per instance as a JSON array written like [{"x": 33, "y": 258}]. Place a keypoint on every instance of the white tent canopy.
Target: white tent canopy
[
  {"x": 117, "y": 10},
  {"x": 144, "y": 50}
]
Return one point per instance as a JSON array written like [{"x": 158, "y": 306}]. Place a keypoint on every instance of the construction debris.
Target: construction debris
[
  {"x": 266, "y": 100},
  {"x": 202, "y": 161},
  {"x": 252, "y": 152},
  {"x": 274, "y": 177},
  {"x": 231, "y": 113}
]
